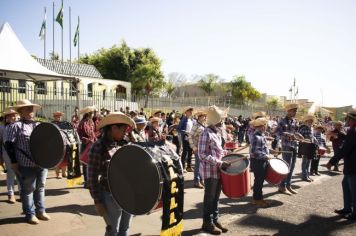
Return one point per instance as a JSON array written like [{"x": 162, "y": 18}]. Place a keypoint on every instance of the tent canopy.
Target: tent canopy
[{"x": 16, "y": 63}]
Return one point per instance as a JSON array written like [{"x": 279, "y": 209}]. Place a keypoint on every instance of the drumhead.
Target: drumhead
[
  {"x": 46, "y": 145},
  {"x": 135, "y": 180},
  {"x": 238, "y": 166},
  {"x": 279, "y": 166}
]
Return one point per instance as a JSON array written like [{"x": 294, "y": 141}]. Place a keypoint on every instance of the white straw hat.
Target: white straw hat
[{"x": 116, "y": 118}]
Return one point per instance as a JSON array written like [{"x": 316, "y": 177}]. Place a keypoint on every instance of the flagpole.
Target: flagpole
[
  {"x": 53, "y": 40},
  {"x": 62, "y": 50},
  {"x": 70, "y": 42},
  {"x": 78, "y": 43},
  {"x": 45, "y": 32}
]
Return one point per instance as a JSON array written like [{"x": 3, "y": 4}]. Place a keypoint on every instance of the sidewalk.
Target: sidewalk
[{"x": 310, "y": 212}]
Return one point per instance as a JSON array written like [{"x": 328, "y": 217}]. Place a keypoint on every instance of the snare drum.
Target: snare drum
[
  {"x": 235, "y": 179},
  {"x": 277, "y": 170},
  {"x": 231, "y": 145},
  {"x": 321, "y": 151},
  {"x": 136, "y": 175}
]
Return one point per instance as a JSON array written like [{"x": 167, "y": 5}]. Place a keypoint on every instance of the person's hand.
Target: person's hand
[
  {"x": 100, "y": 209},
  {"x": 225, "y": 165}
]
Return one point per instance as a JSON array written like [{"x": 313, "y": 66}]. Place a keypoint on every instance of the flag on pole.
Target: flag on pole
[
  {"x": 43, "y": 27},
  {"x": 294, "y": 82},
  {"x": 290, "y": 90},
  {"x": 76, "y": 35},
  {"x": 296, "y": 92},
  {"x": 59, "y": 17}
]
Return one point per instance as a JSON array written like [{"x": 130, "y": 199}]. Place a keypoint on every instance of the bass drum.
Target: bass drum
[{"x": 136, "y": 176}]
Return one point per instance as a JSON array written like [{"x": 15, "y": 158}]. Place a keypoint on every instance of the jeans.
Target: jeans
[
  {"x": 349, "y": 193},
  {"x": 259, "y": 168},
  {"x": 32, "y": 181},
  {"x": 290, "y": 158},
  {"x": 187, "y": 153},
  {"x": 197, "y": 176},
  {"x": 211, "y": 200},
  {"x": 119, "y": 220},
  {"x": 305, "y": 167}
]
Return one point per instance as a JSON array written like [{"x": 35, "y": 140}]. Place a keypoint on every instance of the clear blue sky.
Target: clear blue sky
[{"x": 268, "y": 41}]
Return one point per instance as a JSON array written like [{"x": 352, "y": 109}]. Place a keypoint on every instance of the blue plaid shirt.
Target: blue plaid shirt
[
  {"x": 290, "y": 126},
  {"x": 321, "y": 139},
  {"x": 19, "y": 133},
  {"x": 307, "y": 133},
  {"x": 259, "y": 149}
]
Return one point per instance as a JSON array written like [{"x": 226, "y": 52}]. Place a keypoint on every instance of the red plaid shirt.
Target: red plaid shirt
[{"x": 86, "y": 131}]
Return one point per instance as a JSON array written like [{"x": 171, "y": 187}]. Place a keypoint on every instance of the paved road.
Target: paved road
[{"x": 310, "y": 212}]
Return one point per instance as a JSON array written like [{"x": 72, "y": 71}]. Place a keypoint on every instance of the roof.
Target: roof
[
  {"x": 68, "y": 68},
  {"x": 17, "y": 63}
]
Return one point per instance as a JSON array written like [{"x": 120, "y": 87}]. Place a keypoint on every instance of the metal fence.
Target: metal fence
[{"x": 66, "y": 100}]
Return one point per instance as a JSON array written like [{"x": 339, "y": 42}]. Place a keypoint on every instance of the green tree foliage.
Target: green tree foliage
[
  {"x": 54, "y": 56},
  {"x": 242, "y": 91},
  {"x": 208, "y": 83},
  {"x": 174, "y": 82}
]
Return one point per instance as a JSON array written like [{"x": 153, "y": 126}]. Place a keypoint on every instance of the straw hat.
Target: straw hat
[
  {"x": 155, "y": 119},
  {"x": 258, "y": 114},
  {"x": 25, "y": 103},
  {"x": 87, "y": 109},
  {"x": 140, "y": 120},
  {"x": 116, "y": 118},
  {"x": 200, "y": 113},
  {"x": 58, "y": 113},
  {"x": 352, "y": 114},
  {"x": 9, "y": 111},
  {"x": 309, "y": 117},
  {"x": 259, "y": 122},
  {"x": 185, "y": 109},
  {"x": 291, "y": 106},
  {"x": 154, "y": 112},
  {"x": 214, "y": 115}
]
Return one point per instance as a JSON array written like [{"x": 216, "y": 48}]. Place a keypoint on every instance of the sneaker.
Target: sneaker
[
  {"x": 33, "y": 220},
  {"x": 260, "y": 203},
  {"x": 211, "y": 229},
  {"x": 283, "y": 190},
  {"x": 291, "y": 190},
  {"x": 43, "y": 216},
  {"x": 342, "y": 212},
  {"x": 307, "y": 180},
  {"x": 311, "y": 180},
  {"x": 190, "y": 169},
  {"x": 350, "y": 216},
  {"x": 317, "y": 173},
  {"x": 11, "y": 199},
  {"x": 221, "y": 227},
  {"x": 198, "y": 185}
]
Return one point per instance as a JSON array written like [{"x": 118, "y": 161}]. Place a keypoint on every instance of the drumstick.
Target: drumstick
[
  {"x": 237, "y": 160},
  {"x": 237, "y": 150}
]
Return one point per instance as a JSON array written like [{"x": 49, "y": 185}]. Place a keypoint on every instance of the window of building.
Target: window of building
[
  {"x": 22, "y": 86},
  {"x": 5, "y": 85},
  {"x": 104, "y": 93},
  {"x": 90, "y": 90},
  {"x": 73, "y": 88},
  {"x": 41, "y": 88}
]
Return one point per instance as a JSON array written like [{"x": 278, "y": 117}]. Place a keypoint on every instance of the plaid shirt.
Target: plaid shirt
[
  {"x": 259, "y": 149},
  {"x": 98, "y": 160},
  {"x": 86, "y": 131},
  {"x": 19, "y": 133},
  {"x": 194, "y": 135},
  {"x": 307, "y": 132},
  {"x": 289, "y": 126},
  {"x": 210, "y": 153},
  {"x": 321, "y": 139}
]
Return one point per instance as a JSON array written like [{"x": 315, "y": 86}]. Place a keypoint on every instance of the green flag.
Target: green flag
[
  {"x": 43, "y": 27},
  {"x": 59, "y": 17},
  {"x": 76, "y": 35}
]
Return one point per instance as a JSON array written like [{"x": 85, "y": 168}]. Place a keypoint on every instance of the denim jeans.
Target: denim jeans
[
  {"x": 119, "y": 220},
  {"x": 290, "y": 158},
  {"x": 32, "y": 181},
  {"x": 197, "y": 176},
  {"x": 349, "y": 193},
  {"x": 211, "y": 200},
  {"x": 305, "y": 167},
  {"x": 259, "y": 168}
]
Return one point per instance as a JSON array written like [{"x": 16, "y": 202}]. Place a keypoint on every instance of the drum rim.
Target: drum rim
[
  {"x": 280, "y": 160},
  {"x": 160, "y": 183},
  {"x": 233, "y": 174},
  {"x": 64, "y": 145}
]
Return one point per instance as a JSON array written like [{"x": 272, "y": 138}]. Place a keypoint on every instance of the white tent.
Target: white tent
[{"x": 17, "y": 63}]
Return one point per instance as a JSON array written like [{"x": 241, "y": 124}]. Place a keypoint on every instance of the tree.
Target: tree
[
  {"x": 242, "y": 91},
  {"x": 273, "y": 104},
  {"x": 54, "y": 56},
  {"x": 174, "y": 82},
  {"x": 208, "y": 83}
]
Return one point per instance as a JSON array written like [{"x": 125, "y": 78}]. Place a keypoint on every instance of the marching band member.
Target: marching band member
[
  {"x": 337, "y": 137},
  {"x": 32, "y": 177},
  {"x": 139, "y": 132},
  {"x": 306, "y": 131},
  {"x": 114, "y": 127},
  {"x": 154, "y": 134},
  {"x": 57, "y": 118},
  {"x": 210, "y": 153},
  {"x": 314, "y": 166},
  {"x": 287, "y": 132},
  {"x": 184, "y": 127},
  {"x": 194, "y": 135},
  {"x": 259, "y": 159}
]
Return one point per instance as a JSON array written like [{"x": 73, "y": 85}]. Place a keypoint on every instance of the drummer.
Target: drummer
[
  {"x": 210, "y": 152},
  {"x": 318, "y": 134},
  {"x": 139, "y": 132},
  {"x": 287, "y": 131},
  {"x": 251, "y": 129},
  {"x": 57, "y": 119},
  {"x": 33, "y": 177},
  {"x": 259, "y": 159},
  {"x": 114, "y": 127}
]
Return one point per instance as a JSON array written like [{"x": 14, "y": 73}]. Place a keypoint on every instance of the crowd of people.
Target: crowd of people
[{"x": 198, "y": 135}]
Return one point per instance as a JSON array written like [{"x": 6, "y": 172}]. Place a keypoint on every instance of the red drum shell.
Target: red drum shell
[
  {"x": 321, "y": 151},
  {"x": 236, "y": 184},
  {"x": 277, "y": 170},
  {"x": 231, "y": 145}
]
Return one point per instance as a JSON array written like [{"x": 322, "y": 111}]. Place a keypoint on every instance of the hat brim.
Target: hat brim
[
  {"x": 35, "y": 106},
  {"x": 115, "y": 118}
]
